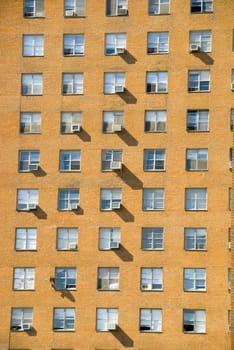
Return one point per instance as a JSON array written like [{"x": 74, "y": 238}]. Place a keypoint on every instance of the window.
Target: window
[
  {"x": 109, "y": 238},
  {"x": 114, "y": 83},
  {"x": 26, "y": 239},
  {"x": 67, "y": 238},
  {"x": 156, "y": 82},
  {"x": 115, "y": 43},
  {"x": 229, "y": 280},
  {"x": 24, "y": 278},
  {"x": 73, "y": 45},
  {"x": 31, "y": 84},
  {"x": 111, "y": 160},
  {"x": 200, "y": 41},
  {"x": 71, "y": 122},
  {"x": 195, "y": 280},
  {"x": 196, "y": 159},
  {"x": 194, "y": 321},
  {"x": 151, "y": 279},
  {"x": 155, "y": 121},
  {"x": 116, "y": 7},
  {"x": 230, "y": 158},
  {"x": 33, "y": 45},
  {"x": 30, "y": 122},
  {"x": 73, "y": 84},
  {"x": 111, "y": 199},
  {"x": 229, "y": 239},
  {"x": 65, "y": 278},
  {"x": 74, "y": 8},
  {"x": 154, "y": 160},
  {"x": 197, "y": 120},
  {"x": 195, "y": 238},
  {"x": 229, "y": 321},
  {"x": 232, "y": 120},
  {"x": 69, "y": 160},
  {"x": 153, "y": 199},
  {"x": 69, "y": 199},
  {"x": 34, "y": 8},
  {"x": 29, "y": 160},
  {"x": 159, "y": 7},
  {"x": 232, "y": 85},
  {"x": 199, "y": 81},
  {"x": 27, "y": 199},
  {"x": 112, "y": 121},
  {"x": 107, "y": 319},
  {"x": 64, "y": 319},
  {"x": 230, "y": 198},
  {"x": 157, "y": 42},
  {"x": 201, "y": 6},
  {"x": 151, "y": 320},
  {"x": 152, "y": 238},
  {"x": 21, "y": 319},
  {"x": 196, "y": 199},
  {"x": 108, "y": 278}
]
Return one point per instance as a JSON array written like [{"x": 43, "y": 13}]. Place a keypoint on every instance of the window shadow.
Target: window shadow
[
  {"x": 127, "y": 96},
  {"x": 204, "y": 57},
  {"x": 128, "y": 57},
  {"x": 123, "y": 338},
  {"x": 129, "y": 178},
  {"x": 83, "y": 135},
  {"x": 67, "y": 294},
  {"x": 39, "y": 173},
  {"x": 125, "y": 214},
  {"x": 78, "y": 211},
  {"x": 123, "y": 253},
  {"x": 127, "y": 138},
  {"x": 32, "y": 332},
  {"x": 40, "y": 213}
]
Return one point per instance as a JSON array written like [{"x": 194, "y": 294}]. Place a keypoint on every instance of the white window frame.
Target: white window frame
[
  {"x": 198, "y": 120},
  {"x": 110, "y": 197},
  {"x": 25, "y": 238},
  {"x": 195, "y": 279},
  {"x": 151, "y": 279},
  {"x": 65, "y": 278},
  {"x": 74, "y": 8},
  {"x": 107, "y": 319},
  {"x": 201, "y": 38},
  {"x": 108, "y": 278},
  {"x": 70, "y": 160},
  {"x": 33, "y": 45},
  {"x": 116, "y": 7},
  {"x": 158, "y": 43},
  {"x": 33, "y": 8},
  {"x": 198, "y": 81},
  {"x": 194, "y": 321},
  {"x": 156, "y": 82},
  {"x": 156, "y": 202},
  {"x": 28, "y": 159},
  {"x": 197, "y": 159},
  {"x": 154, "y": 236},
  {"x": 24, "y": 278},
  {"x": 232, "y": 119},
  {"x": 68, "y": 120},
  {"x": 110, "y": 158},
  {"x": 155, "y": 121},
  {"x": 232, "y": 84},
  {"x": 30, "y": 122},
  {"x": 159, "y": 7},
  {"x": 230, "y": 198},
  {"x": 68, "y": 197},
  {"x": 196, "y": 199},
  {"x": 67, "y": 238},
  {"x": 112, "y": 121},
  {"x": 154, "y": 160},
  {"x": 64, "y": 316},
  {"x": 109, "y": 237},
  {"x": 195, "y": 238},
  {"x": 73, "y": 84},
  {"x": 115, "y": 43},
  {"x": 114, "y": 82},
  {"x": 229, "y": 272},
  {"x": 21, "y": 318},
  {"x": 151, "y": 320},
  {"x": 201, "y": 6},
  {"x": 73, "y": 45},
  {"x": 27, "y": 197},
  {"x": 32, "y": 84}
]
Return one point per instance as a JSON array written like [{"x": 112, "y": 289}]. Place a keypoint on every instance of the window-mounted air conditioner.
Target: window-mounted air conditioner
[
  {"x": 22, "y": 327},
  {"x": 116, "y": 165},
  {"x": 116, "y": 205},
  {"x": 119, "y": 88},
  {"x": 70, "y": 286},
  {"x": 33, "y": 167},
  {"x": 229, "y": 245},
  {"x": 120, "y": 50},
  {"x": 146, "y": 286},
  {"x": 232, "y": 86},
  {"x": 112, "y": 326},
  {"x": 69, "y": 13},
  {"x": 114, "y": 245},
  {"x": 32, "y": 206},
  {"x": 75, "y": 127},
  {"x": 117, "y": 127},
  {"x": 72, "y": 246},
  {"x": 122, "y": 11},
  {"x": 74, "y": 206},
  {"x": 230, "y": 164},
  {"x": 194, "y": 48}
]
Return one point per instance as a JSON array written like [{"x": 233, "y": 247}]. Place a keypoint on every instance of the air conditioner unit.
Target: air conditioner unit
[
  {"x": 232, "y": 86},
  {"x": 119, "y": 88},
  {"x": 114, "y": 245},
  {"x": 73, "y": 206},
  {"x": 229, "y": 245},
  {"x": 72, "y": 246},
  {"x": 33, "y": 167},
  {"x": 194, "y": 48},
  {"x": 153, "y": 49},
  {"x": 122, "y": 11},
  {"x": 69, "y": 13},
  {"x": 75, "y": 127},
  {"x": 116, "y": 205},
  {"x": 70, "y": 286},
  {"x": 32, "y": 206},
  {"x": 230, "y": 164},
  {"x": 120, "y": 50},
  {"x": 112, "y": 326},
  {"x": 117, "y": 127},
  {"x": 146, "y": 286},
  {"x": 26, "y": 326},
  {"x": 116, "y": 165}
]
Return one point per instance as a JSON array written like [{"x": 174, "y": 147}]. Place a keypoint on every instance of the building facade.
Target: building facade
[{"x": 116, "y": 139}]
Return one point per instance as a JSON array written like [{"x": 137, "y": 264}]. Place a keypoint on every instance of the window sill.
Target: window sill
[
  {"x": 82, "y": 94},
  {"x": 196, "y": 250},
  {"x": 74, "y": 16},
  {"x": 153, "y": 209},
  {"x": 155, "y": 132},
  {"x": 34, "y": 17},
  {"x": 194, "y": 332},
  {"x": 32, "y": 95},
  {"x": 198, "y": 91},
  {"x": 23, "y": 290},
  {"x": 196, "y": 170},
  {"x": 34, "y": 56},
  {"x": 149, "y": 250},
  {"x": 108, "y": 290},
  {"x": 158, "y": 14},
  {"x": 72, "y": 55},
  {"x": 26, "y": 250},
  {"x": 156, "y": 92},
  {"x": 63, "y": 330},
  {"x": 193, "y": 210},
  {"x": 69, "y": 171},
  {"x": 195, "y": 291},
  {"x": 154, "y": 170}
]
